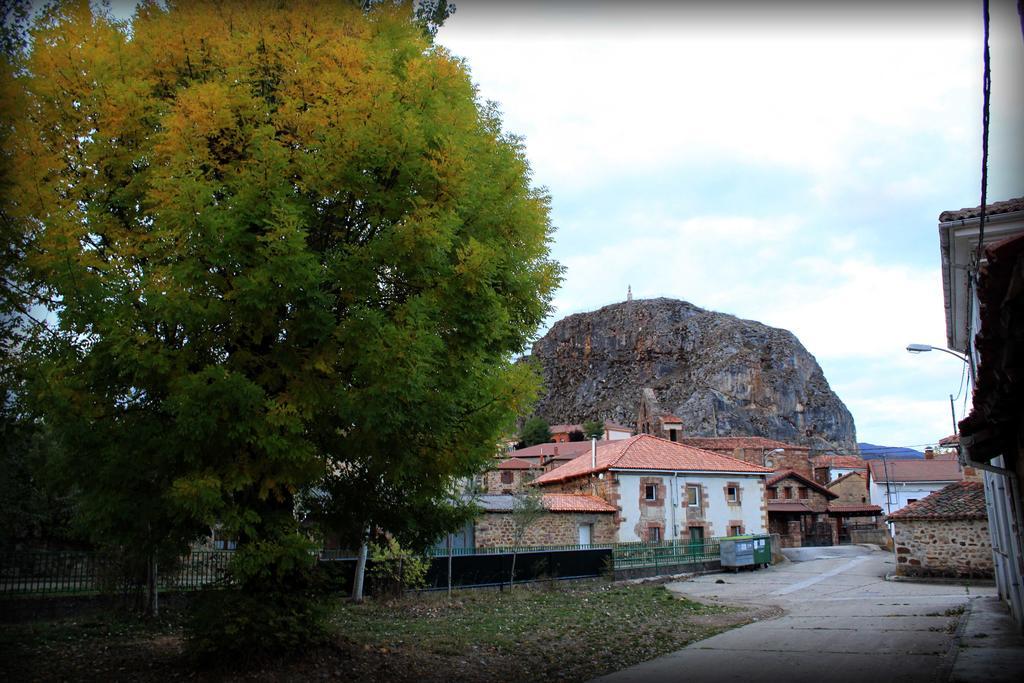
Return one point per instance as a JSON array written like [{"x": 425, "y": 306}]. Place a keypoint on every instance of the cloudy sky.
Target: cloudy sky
[{"x": 783, "y": 163}]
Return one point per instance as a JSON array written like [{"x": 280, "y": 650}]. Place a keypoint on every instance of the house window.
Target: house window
[
  {"x": 654, "y": 534},
  {"x": 506, "y": 477},
  {"x": 651, "y": 492},
  {"x": 736, "y": 531},
  {"x": 803, "y": 492},
  {"x": 788, "y": 492},
  {"x": 693, "y": 496},
  {"x": 911, "y": 500},
  {"x": 672, "y": 435},
  {"x": 732, "y": 494},
  {"x": 773, "y": 493}
]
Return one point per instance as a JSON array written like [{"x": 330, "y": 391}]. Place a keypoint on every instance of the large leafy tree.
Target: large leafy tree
[{"x": 284, "y": 248}]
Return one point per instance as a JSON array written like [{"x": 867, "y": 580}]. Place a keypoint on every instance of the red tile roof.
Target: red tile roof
[
  {"x": 951, "y": 440},
  {"x": 915, "y": 470},
  {"x": 669, "y": 417},
  {"x": 791, "y": 474},
  {"x": 774, "y": 506},
  {"x": 516, "y": 464},
  {"x": 722, "y": 443},
  {"x": 854, "y": 507},
  {"x": 576, "y": 502},
  {"x": 646, "y": 452},
  {"x": 962, "y": 500},
  {"x": 839, "y": 461}
]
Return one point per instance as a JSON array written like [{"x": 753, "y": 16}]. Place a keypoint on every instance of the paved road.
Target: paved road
[{"x": 842, "y": 622}]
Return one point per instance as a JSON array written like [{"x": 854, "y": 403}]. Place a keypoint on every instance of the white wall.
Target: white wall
[
  {"x": 616, "y": 435},
  {"x": 719, "y": 512},
  {"x": 836, "y": 472},
  {"x": 900, "y": 493}
]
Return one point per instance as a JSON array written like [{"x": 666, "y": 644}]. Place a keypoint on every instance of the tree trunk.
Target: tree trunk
[
  {"x": 512, "y": 574},
  {"x": 152, "y": 592},
  {"x": 357, "y": 583}
]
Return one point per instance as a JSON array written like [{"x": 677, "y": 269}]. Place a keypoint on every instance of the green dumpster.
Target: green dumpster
[{"x": 762, "y": 550}]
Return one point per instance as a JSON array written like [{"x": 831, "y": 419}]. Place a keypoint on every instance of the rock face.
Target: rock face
[{"x": 721, "y": 375}]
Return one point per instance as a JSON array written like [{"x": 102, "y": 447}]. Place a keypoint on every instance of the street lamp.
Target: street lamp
[{"x": 921, "y": 348}]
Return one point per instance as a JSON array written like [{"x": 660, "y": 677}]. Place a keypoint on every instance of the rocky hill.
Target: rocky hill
[{"x": 721, "y": 375}]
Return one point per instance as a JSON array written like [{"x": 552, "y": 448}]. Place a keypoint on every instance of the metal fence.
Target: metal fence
[
  {"x": 665, "y": 553},
  {"x": 67, "y": 572},
  {"x": 70, "y": 572}
]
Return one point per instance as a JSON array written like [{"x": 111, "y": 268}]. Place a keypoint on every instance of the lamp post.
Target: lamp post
[{"x": 922, "y": 348}]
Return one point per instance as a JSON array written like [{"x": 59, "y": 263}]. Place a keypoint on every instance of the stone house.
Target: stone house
[
  {"x": 571, "y": 520},
  {"x": 509, "y": 476},
  {"x": 663, "y": 490},
  {"x": 944, "y": 534},
  {"x": 798, "y": 510},
  {"x": 757, "y": 450}
]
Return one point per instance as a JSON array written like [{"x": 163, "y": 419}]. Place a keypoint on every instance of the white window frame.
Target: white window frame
[
  {"x": 650, "y": 489},
  {"x": 696, "y": 489}
]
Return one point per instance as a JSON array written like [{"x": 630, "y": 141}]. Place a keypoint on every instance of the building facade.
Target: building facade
[{"x": 662, "y": 490}]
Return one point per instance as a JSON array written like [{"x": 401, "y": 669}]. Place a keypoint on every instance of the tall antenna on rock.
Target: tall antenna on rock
[{"x": 629, "y": 292}]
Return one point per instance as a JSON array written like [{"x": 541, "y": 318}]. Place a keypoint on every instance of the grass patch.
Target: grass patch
[{"x": 571, "y": 632}]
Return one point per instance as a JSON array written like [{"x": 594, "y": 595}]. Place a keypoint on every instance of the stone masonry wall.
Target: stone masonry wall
[
  {"x": 852, "y": 490},
  {"x": 555, "y": 528},
  {"x": 954, "y": 548},
  {"x": 493, "y": 480}
]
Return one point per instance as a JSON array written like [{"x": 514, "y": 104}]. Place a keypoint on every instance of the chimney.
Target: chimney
[
  {"x": 929, "y": 453},
  {"x": 593, "y": 454}
]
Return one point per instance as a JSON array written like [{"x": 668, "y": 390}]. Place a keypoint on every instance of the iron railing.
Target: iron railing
[{"x": 48, "y": 572}]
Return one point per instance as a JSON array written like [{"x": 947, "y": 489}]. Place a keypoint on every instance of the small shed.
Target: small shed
[{"x": 944, "y": 534}]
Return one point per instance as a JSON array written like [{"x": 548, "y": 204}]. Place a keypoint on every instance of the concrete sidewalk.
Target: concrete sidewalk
[
  {"x": 989, "y": 647},
  {"x": 843, "y": 622}
]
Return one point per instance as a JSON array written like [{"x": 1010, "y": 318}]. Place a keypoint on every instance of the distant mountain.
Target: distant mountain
[{"x": 870, "y": 451}]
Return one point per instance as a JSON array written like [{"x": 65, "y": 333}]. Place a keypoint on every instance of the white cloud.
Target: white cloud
[{"x": 592, "y": 101}]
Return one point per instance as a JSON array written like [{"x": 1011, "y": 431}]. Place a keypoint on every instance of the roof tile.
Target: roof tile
[
  {"x": 962, "y": 500},
  {"x": 915, "y": 470},
  {"x": 646, "y": 452}
]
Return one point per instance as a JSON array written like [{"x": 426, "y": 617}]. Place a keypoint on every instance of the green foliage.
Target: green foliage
[
  {"x": 286, "y": 615},
  {"x": 593, "y": 429},
  {"x": 534, "y": 431},
  {"x": 395, "y": 569},
  {"x": 576, "y": 435},
  {"x": 281, "y": 252}
]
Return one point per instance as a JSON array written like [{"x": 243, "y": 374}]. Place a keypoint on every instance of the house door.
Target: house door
[
  {"x": 696, "y": 540},
  {"x": 585, "y": 533}
]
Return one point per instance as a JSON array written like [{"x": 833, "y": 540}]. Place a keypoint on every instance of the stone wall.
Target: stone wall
[
  {"x": 933, "y": 547},
  {"x": 495, "y": 480},
  {"x": 494, "y": 529},
  {"x": 852, "y": 490}
]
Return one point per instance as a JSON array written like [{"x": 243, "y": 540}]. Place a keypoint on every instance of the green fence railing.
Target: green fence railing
[
  {"x": 665, "y": 553},
  {"x": 48, "y": 572}
]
